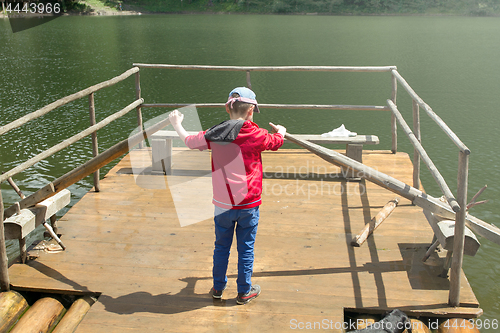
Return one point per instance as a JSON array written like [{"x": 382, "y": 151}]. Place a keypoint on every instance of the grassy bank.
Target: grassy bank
[{"x": 342, "y": 7}]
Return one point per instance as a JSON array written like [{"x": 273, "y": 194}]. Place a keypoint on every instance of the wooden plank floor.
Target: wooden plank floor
[{"x": 127, "y": 243}]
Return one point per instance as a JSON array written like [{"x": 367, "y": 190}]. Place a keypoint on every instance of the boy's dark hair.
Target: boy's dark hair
[{"x": 239, "y": 109}]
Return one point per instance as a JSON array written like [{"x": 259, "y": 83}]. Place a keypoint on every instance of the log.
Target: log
[
  {"x": 374, "y": 223},
  {"x": 457, "y": 325},
  {"x": 87, "y": 168},
  {"x": 75, "y": 315},
  {"x": 426, "y": 201},
  {"x": 276, "y": 68},
  {"x": 423, "y": 155},
  {"x": 42, "y": 317},
  {"x": 60, "y": 146},
  {"x": 12, "y": 306},
  {"x": 65, "y": 100}
]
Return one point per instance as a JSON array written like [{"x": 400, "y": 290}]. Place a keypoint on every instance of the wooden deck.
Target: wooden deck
[{"x": 126, "y": 242}]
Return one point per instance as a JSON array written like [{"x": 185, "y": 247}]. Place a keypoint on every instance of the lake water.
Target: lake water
[{"x": 453, "y": 63}]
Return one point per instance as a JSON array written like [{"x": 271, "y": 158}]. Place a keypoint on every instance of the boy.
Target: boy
[{"x": 236, "y": 146}]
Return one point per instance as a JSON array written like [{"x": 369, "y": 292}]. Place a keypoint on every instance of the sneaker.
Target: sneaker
[
  {"x": 217, "y": 294},
  {"x": 244, "y": 298}
]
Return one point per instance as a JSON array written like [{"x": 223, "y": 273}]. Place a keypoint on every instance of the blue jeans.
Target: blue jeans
[{"x": 246, "y": 222}]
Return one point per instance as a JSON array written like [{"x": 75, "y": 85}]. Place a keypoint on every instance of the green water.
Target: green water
[{"x": 453, "y": 63}]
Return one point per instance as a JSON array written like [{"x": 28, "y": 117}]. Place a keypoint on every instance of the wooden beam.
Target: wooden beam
[
  {"x": 419, "y": 198},
  {"x": 65, "y": 100},
  {"x": 87, "y": 168},
  {"x": 21, "y": 224}
]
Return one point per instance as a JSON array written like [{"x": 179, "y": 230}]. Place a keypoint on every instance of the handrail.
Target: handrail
[
  {"x": 51, "y": 151},
  {"x": 276, "y": 106},
  {"x": 65, "y": 100},
  {"x": 275, "y": 68},
  {"x": 423, "y": 154},
  {"x": 86, "y": 168},
  {"x": 431, "y": 113}
]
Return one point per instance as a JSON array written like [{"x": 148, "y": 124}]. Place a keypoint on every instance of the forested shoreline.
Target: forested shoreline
[
  {"x": 337, "y": 7},
  {"x": 325, "y": 7}
]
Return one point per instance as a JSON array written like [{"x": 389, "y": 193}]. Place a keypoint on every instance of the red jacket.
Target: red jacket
[{"x": 236, "y": 161}]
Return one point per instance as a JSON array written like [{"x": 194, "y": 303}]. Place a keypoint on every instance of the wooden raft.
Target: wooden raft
[{"x": 126, "y": 243}]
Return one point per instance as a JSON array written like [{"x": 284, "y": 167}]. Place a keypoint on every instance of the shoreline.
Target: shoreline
[{"x": 138, "y": 13}]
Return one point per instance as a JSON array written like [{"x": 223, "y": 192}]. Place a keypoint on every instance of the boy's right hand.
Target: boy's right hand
[
  {"x": 278, "y": 129},
  {"x": 175, "y": 118}
]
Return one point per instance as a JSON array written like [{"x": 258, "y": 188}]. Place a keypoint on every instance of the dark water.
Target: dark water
[{"x": 453, "y": 63}]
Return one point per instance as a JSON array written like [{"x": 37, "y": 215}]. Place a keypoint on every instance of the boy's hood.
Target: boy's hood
[{"x": 227, "y": 131}]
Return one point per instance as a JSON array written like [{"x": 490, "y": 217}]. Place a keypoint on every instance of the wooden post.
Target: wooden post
[
  {"x": 139, "y": 110},
  {"x": 95, "y": 147},
  {"x": 4, "y": 261},
  {"x": 394, "y": 125},
  {"x": 249, "y": 82},
  {"x": 459, "y": 239},
  {"x": 416, "y": 156}
]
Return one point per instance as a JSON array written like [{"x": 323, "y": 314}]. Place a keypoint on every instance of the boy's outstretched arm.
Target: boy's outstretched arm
[
  {"x": 278, "y": 129},
  {"x": 176, "y": 118}
]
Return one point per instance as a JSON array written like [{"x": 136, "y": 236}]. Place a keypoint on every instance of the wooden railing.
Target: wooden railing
[
  {"x": 92, "y": 166},
  {"x": 100, "y": 159}
]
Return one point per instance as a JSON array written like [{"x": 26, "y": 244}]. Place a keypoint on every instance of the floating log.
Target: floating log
[
  {"x": 374, "y": 223},
  {"x": 75, "y": 315},
  {"x": 458, "y": 325},
  {"x": 41, "y": 317},
  {"x": 12, "y": 306}
]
